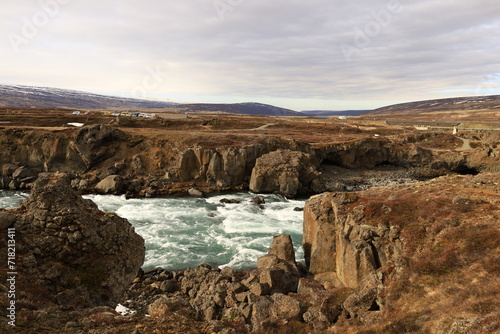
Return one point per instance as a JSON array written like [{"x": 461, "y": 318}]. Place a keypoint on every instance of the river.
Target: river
[{"x": 184, "y": 232}]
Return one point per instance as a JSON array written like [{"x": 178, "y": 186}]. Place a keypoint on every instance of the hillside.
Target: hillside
[
  {"x": 240, "y": 108},
  {"x": 45, "y": 97},
  {"x": 483, "y": 103},
  {"x": 54, "y": 98}
]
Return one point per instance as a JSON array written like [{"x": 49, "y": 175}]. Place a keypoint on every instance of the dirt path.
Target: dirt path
[
  {"x": 263, "y": 127},
  {"x": 465, "y": 146}
]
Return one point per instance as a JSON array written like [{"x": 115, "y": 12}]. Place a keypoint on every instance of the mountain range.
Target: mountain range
[
  {"x": 450, "y": 104},
  {"x": 247, "y": 108},
  {"x": 45, "y": 97}
]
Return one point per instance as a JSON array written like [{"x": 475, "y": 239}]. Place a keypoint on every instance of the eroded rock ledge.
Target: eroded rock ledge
[{"x": 107, "y": 160}]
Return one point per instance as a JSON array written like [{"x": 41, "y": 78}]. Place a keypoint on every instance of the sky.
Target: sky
[{"x": 297, "y": 54}]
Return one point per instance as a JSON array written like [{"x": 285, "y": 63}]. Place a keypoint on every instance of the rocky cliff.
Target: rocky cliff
[
  {"x": 138, "y": 165},
  {"x": 419, "y": 258},
  {"x": 105, "y": 159}
]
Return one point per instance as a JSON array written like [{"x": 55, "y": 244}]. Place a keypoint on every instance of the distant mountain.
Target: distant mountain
[
  {"x": 458, "y": 103},
  {"x": 45, "y": 97},
  {"x": 334, "y": 112},
  {"x": 247, "y": 108}
]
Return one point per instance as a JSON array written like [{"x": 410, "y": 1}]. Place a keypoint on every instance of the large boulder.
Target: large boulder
[
  {"x": 113, "y": 184},
  {"x": 278, "y": 270},
  {"x": 82, "y": 255},
  {"x": 284, "y": 172},
  {"x": 282, "y": 247}
]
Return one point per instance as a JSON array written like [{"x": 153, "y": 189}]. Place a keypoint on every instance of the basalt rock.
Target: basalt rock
[
  {"x": 278, "y": 270},
  {"x": 82, "y": 255},
  {"x": 225, "y": 166},
  {"x": 113, "y": 184},
  {"x": 282, "y": 247},
  {"x": 341, "y": 246},
  {"x": 284, "y": 172},
  {"x": 168, "y": 164}
]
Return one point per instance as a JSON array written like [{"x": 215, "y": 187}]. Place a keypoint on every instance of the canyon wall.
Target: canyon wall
[
  {"x": 145, "y": 166},
  {"x": 108, "y": 160}
]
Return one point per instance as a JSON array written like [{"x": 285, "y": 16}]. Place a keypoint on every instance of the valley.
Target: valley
[{"x": 393, "y": 210}]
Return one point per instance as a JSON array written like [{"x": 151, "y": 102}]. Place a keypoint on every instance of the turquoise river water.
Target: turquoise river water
[{"x": 184, "y": 232}]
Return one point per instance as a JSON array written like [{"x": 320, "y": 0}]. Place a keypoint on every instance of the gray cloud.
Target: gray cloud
[{"x": 298, "y": 53}]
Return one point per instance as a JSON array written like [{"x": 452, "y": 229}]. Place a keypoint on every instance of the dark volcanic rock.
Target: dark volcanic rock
[
  {"x": 230, "y": 201},
  {"x": 113, "y": 184},
  {"x": 282, "y": 247},
  {"x": 81, "y": 254},
  {"x": 284, "y": 172}
]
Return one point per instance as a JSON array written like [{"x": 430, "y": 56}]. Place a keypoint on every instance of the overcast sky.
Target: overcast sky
[{"x": 299, "y": 54}]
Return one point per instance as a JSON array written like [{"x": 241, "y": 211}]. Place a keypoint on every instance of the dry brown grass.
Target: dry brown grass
[
  {"x": 215, "y": 129},
  {"x": 451, "y": 232}
]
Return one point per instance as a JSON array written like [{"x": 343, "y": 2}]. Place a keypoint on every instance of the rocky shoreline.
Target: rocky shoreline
[{"x": 364, "y": 264}]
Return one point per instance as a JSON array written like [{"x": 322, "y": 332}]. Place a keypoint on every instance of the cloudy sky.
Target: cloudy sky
[{"x": 299, "y": 54}]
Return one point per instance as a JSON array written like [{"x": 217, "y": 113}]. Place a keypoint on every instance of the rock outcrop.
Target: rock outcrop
[
  {"x": 284, "y": 172},
  {"x": 400, "y": 248},
  {"x": 82, "y": 255},
  {"x": 339, "y": 243}
]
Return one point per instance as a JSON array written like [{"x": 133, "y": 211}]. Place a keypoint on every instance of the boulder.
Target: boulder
[
  {"x": 83, "y": 255},
  {"x": 9, "y": 169},
  {"x": 278, "y": 271},
  {"x": 195, "y": 192},
  {"x": 229, "y": 201},
  {"x": 282, "y": 247},
  {"x": 112, "y": 184},
  {"x": 284, "y": 172},
  {"x": 285, "y": 307},
  {"x": 261, "y": 310},
  {"x": 311, "y": 290},
  {"x": 169, "y": 286},
  {"x": 278, "y": 274},
  {"x": 258, "y": 200}
]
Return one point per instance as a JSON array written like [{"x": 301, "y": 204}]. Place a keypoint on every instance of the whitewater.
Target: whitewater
[{"x": 185, "y": 232}]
